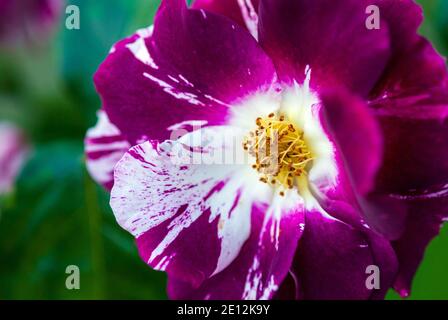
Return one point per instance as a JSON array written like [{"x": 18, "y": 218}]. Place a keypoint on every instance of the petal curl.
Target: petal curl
[
  {"x": 404, "y": 17},
  {"x": 359, "y": 143},
  {"x": 333, "y": 256},
  {"x": 416, "y": 144},
  {"x": 357, "y": 137},
  {"x": 415, "y": 67}
]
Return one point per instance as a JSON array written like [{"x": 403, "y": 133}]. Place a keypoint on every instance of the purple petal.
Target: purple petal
[
  {"x": 411, "y": 107},
  {"x": 260, "y": 267},
  {"x": 358, "y": 139},
  {"x": 385, "y": 214},
  {"x": 416, "y": 144},
  {"x": 386, "y": 259},
  {"x": 414, "y": 72},
  {"x": 414, "y": 172},
  {"x": 415, "y": 66},
  {"x": 356, "y": 135},
  {"x": 403, "y": 17},
  {"x": 328, "y": 36},
  {"x": 104, "y": 147},
  {"x": 194, "y": 65},
  {"x": 333, "y": 256}
]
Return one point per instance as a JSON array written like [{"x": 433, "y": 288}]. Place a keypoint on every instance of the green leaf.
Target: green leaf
[
  {"x": 430, "y": 280},
  {"x": 58, "y": 217}
]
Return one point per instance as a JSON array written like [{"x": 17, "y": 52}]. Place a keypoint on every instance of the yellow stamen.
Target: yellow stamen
[{"x": 280, "y": 151}]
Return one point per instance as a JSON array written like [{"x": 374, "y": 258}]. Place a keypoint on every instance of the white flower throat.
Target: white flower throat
[{"x": 288, "y": 148}]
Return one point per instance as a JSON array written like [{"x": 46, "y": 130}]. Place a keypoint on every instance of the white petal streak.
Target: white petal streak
[
  {"x": 104, "y": 146},
  {"x": 250, "y": 16},
  {"x": 188, "y": 96},
  {"x": 257, "y": 288},
  {"x": 139, "y": 49},
  {"x": 141, "y": 53}
]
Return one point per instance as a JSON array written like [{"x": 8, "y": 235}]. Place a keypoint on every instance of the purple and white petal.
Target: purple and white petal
[
  {"x": 264, "y": 260},
  {"x": 192, "y": 66},
  {"x": 189, "y": 211},
  {"x": 104, "y": 147}
]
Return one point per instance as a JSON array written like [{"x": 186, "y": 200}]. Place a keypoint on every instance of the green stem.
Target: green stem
[{"x": 94, "y": 217}]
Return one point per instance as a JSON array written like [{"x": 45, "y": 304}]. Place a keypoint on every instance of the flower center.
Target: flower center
[{"x": 281, "y": 155}]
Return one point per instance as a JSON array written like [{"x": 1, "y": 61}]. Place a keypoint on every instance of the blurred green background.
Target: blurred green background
[{"x": 57, "y": 216}]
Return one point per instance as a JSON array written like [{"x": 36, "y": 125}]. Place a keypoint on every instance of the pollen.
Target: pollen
[{"x": 280, "y": 151}]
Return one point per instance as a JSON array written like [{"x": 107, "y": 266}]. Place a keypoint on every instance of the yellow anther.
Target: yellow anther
[{"x": 280, "y": 151}]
